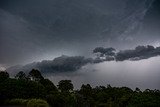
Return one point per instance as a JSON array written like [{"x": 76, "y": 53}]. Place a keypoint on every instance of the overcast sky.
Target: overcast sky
[{"x": 36, "y": 30}]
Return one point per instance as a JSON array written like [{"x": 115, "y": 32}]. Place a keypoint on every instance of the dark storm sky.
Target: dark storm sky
[
  {"x": 32, "y": 30},
  {"x": 36, "y": 30}
]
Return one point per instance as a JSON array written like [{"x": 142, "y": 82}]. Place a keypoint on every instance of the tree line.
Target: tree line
[{"x": 35, "y": 86}]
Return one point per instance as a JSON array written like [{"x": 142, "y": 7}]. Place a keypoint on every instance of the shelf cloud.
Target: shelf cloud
[{"x": 73, "y": 63}]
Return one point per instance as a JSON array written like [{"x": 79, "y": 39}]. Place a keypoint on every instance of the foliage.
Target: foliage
[
  {"x": 15, "y": 91},
  {"x": 65, "y": 85},
  {"x": 55, "y": 100},
  {"x": 37, "y": 103},
  {"x": 49, "y": 86},
  {"x": 21, "y": 75},
  {"x": 35, "y": 75},
  {"x": 62, "y": 100},
  {"x": 16, "y": 102},
  {"x": 13, "y": 88},
  {"x": 149, "y": 98},
  {"x": 3, "y": 75}
]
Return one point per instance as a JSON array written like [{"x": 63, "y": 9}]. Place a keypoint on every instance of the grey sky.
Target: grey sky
[
  {"x": 36, "y": 30},
  {"x": 143, "y": 74},
  {"x": 33, "y": 30}
]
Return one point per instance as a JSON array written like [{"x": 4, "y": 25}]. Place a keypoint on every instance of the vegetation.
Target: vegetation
[
  {"x": 37, "y": 103},
  {"x": 65, "y": 86},
  {"x": 16, "y": 102},
  {"x": 33, "y": 90},
  {"x": 3, "y": 76}
]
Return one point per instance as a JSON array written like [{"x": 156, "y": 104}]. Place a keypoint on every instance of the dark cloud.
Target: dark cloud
[
  {"x": 74, "y": 63},
  {"x": 102, "y": 59},
  {"x": 58, "y": 65},
  {"x": 32, "y": 30},
  {"x": 103, "y": 54},
  {"x": 64, "y": 64},
  {"x": 140, "y": 52},
  {"x": 105, "y": 51}
]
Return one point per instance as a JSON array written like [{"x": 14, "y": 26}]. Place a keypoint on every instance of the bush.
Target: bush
[
  {"x": 24, "y": 89},
  {"x": 37, "y": 103},
  {"x": 17, "y": 102},
  {"x": 3, "y": 76},
  {"x": 56, "y": 100}
]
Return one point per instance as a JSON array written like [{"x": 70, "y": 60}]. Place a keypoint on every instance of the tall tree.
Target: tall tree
[
  {"x": 21, "y": 75},
  {"x": 49, "y": 86},
  {"x": 86, "y": 90},
  {"x": 35, "y": 75},
  {"x": 65, "y": 85},
  {"x": 3, "y": 75}
]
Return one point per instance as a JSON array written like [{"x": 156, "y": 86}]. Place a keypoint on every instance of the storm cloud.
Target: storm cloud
[
  {"x": 73, "y": 63},
  {"x": 60, "y": 64},
  {"x": 105, "y": 51},
  {"x": 35, "y": 33},
  {"x": 42, "y": 30},
  {"x": 140, "y": 52}
]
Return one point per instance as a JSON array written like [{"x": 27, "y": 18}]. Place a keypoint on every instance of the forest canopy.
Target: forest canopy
[{"x": 33, "y": 87}]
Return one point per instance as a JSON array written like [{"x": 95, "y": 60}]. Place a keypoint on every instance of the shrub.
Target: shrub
[
  {"x": 37, "y": 103},
  {"x": 17, "y": 102},
  {"x": 56, "y": 100},
  {"x": 3, "y": 76}
]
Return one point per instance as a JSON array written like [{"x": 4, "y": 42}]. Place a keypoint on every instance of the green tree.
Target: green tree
[
  {"x": 19, "y": 88},
  {"x": 37, "y": 103},
  {"x": 35, "y": 75},
  {"x": 49, "y": 86},
  {"x": 137, "y": 90},
  {"x": 65, "y": 85},
  {"x": 3, "y": 75},
  {"x": 86, "y": 90},
  {"x": 56, "y": 100},
  {"x": 21, "y": 75}
]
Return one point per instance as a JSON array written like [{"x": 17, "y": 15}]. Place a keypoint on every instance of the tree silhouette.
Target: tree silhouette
[
  {"x": 86, "y": 90},
  {"x": 3, "y": 75},
  {"x": 100, "y": 96},
  {"x": 35, "y": 75},
  {"x": 65, "y": 86},
  {"x": 49, "y": 86},
  {"x": 21, "y": 75}
]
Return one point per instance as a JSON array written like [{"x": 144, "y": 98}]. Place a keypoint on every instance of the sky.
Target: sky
[{"x": 38, "y": 33}]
